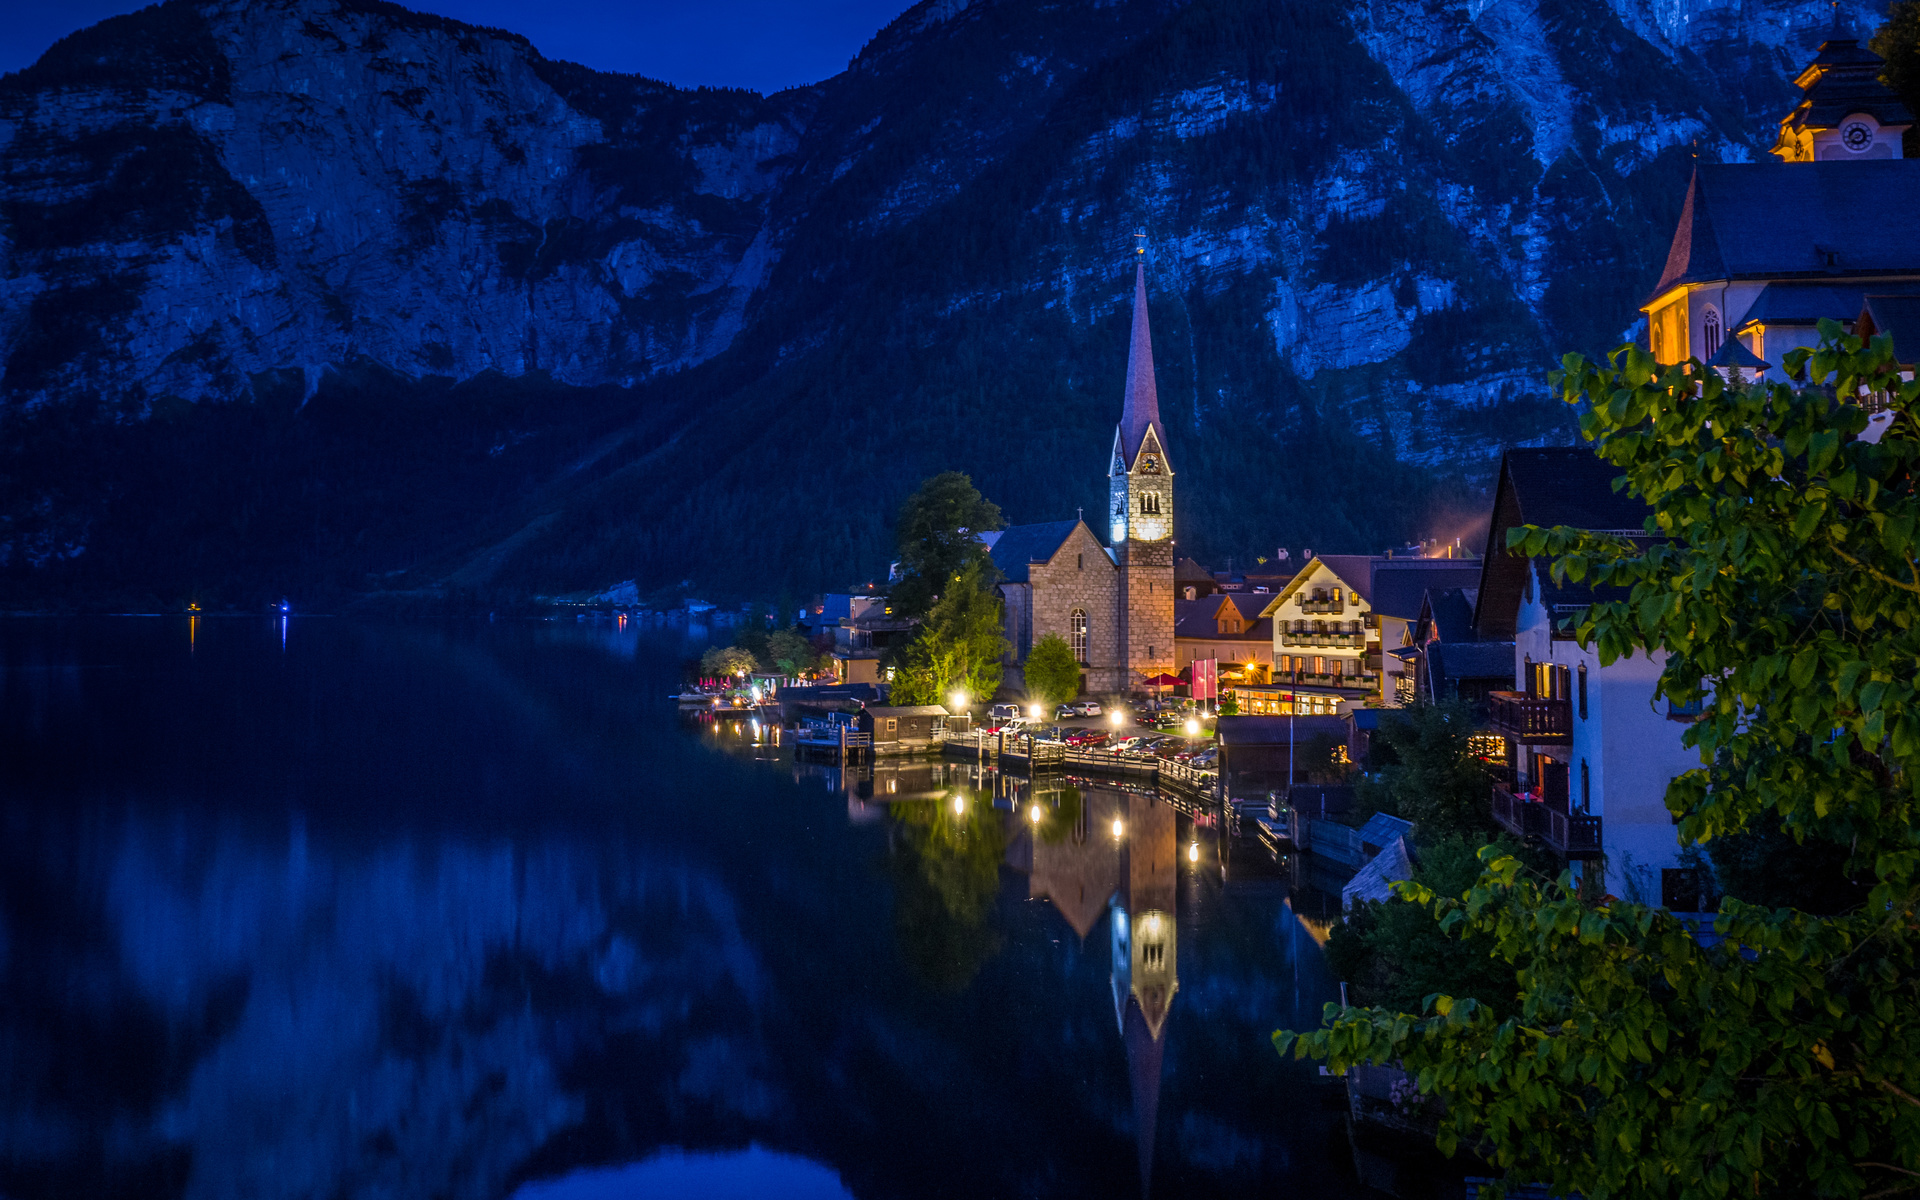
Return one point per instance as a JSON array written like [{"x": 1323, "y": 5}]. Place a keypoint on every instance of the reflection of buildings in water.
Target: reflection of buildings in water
[{"x": 1121, "y": 851}]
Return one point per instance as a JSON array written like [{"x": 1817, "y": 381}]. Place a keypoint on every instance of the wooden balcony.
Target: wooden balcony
[
  {"x": 1532, "y": 719},
  {"x": 1291, "y": 637},
  {"x": 1573, "y": 835},
  {"x": 1570, "y": 835}
]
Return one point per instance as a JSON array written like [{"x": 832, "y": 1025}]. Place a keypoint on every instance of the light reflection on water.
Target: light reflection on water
[{"x": 468, "y": 912}]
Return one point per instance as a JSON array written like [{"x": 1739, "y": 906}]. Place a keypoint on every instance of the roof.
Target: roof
[
  {"x": 1188, "y": 571},
  {"x": 1400, "y": 584},
  {"x": 1374, "y": 881},
  {"x": 1382, "y": 828},
  {"x": 1566, "y": 485},
  {"x": 1354, "y": 570},
  {"x": 1844, "y": 79},
  {"x": 908, "y": 710},
  {"x": 1734, "y": 353},
  {"x": 1810, "y": 303},
  {"x": 1471, "y": 660},
  {"x": 1247, "y": 730},
  {"x": 1020, "y": 546},
  {"x": 1781, "y": 220},
  {"x": 1450, "y": 611},
  {"x": 1897, "y": 316},
  {"x": 1141, "y": 408}
]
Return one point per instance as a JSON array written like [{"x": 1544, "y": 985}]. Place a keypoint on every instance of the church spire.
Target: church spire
[{"x": 1141, "y": 410}]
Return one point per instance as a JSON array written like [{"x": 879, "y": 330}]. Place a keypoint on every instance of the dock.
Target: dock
[
  {"x": 841, "y": 742},
  {"x": 1035, "y": 756}
]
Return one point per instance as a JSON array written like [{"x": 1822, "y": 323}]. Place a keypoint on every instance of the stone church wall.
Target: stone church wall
[{"x": 1082, "y": 576}]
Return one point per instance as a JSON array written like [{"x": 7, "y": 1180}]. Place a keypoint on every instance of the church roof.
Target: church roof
[
  {"x": 1141, "y": 410},
  {"x": 1843, "y": 79},
  {"x": 1020, "y": 546},
  {"x": 1897, "y": 316},
  {"x": 1795, "y": 220}
]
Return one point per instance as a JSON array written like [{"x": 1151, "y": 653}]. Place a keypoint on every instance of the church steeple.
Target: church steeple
[
  {"x": 1141, "y": 408},
  {"x": 1845, "y": 113}
]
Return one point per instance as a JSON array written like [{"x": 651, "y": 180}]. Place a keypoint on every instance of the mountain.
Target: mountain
[{"x": 330, "y": 297}]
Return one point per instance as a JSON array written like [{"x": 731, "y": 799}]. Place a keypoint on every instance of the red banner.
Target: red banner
[{"x": 1206, "y": 679}]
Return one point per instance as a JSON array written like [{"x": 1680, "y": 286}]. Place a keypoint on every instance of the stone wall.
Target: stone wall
[{"x": 1081, "y": 576}]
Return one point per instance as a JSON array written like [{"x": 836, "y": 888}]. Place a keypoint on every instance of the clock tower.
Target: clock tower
[{"x": 1140, "y": 496}]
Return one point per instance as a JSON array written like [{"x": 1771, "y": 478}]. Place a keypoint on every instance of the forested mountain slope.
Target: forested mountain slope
[{"x": 328, "y": 296}]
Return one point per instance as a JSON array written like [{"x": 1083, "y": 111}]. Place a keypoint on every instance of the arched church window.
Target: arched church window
[
  {"x": 1710, "y": 331},
  {"x": 1077, "y": 624}
]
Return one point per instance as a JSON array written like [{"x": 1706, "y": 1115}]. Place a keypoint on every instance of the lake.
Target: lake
[{"x": 316, "y": 908}]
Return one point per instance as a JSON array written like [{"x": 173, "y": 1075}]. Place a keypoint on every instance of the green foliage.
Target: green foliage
[
  {"x": 1393, "y": 954},
  {"x": 1427, "y": 773},
  {"x": 730, "y": 661},
  {"x": 790, "y": 652},
  {"x": 1898, "y": 41},
  {"x": 1779, "y": 581},
  {"x": 1229, "y": 703},
  {"x": 1053, "y": 676},
  {"x": 958, "y": 647},
  {"x": 939, "y": 531}
]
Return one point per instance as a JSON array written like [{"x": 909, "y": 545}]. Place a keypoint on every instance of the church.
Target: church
[{"x": 1113, "y": 603}]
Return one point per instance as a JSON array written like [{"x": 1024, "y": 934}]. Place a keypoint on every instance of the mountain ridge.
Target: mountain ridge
[{"x": 1375, "y": 225}]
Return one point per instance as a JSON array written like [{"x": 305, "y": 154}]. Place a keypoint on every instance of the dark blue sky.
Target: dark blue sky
[{"x": 762, "y": 44}]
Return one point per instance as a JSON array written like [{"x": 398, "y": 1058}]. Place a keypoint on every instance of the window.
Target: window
[
  {"x": 1710, "y": 331},
  {"x": 1586, "y": 787},
  {"x": 1189, "y": 593},
  {"x": 893, "y": 724},
  {"x": 1583, "y": 693},
  {"x": 1080, "y": 562},
  {"x": 1077, "y": 624},
  {"x": 1319, "y": 664},
  {"x": 1150, "y": 503}
]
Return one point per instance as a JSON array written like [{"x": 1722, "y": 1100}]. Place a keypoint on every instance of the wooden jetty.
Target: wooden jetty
[
  {"x": 840, "y": 740},
  {"x": 1035, "y": 755}
]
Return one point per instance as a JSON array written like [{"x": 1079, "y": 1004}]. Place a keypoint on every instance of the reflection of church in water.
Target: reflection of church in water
[{"x": 1121, "y": 854}]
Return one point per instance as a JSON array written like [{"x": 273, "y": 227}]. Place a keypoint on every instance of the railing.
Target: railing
[
  {"x": 1573, "y": 835},
  {"x": 1530, "y": 718},
  {"x": 1322, "y": 606},
  {"x": 1291, "y": 637},
  {"x": 1352, "y": 683},
  {"x": 1522, "y": 818}
]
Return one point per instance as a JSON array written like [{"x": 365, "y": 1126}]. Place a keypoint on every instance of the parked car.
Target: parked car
[
  {"x": 1087, "y": 708},
  {"x": 1066, "y": 710},
  {"x": 1206, "y": 759},
  {"x": 1002, "y": 712},
  {"x": 1087, "y": 737},
  {"x": 1132, "y": 744}
]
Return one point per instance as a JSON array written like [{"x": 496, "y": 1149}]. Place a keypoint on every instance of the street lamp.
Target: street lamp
[
  {"x": 1035, "y": 711},
  {"x": 1193, "y": 727},
  {"x": 959, "y": 701},
  {"x": 1033, "y": 814},
  {"x": 1119, "y": 830},
  {"x": 959, "y": 803},
  {"x": 1118, "y": 718},
  {"x": 1193, "y": 852}
]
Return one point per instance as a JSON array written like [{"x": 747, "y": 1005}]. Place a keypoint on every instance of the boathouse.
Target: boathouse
[{"x": 903, "y": 729}]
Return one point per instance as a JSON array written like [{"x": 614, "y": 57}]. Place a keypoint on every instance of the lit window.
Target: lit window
[
  {"x": 1710, "y": 331},
  {"x": 1078, "y": 625}
]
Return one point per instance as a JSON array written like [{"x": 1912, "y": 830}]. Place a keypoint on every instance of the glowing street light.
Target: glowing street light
[
  {"x": 1118, "y": 718},
  {"x": 1119, "y": 830},
  {"x": 1193, "y": 727},
  {"x": 1033, "y": 814},
  {"x": 1193, "y": 852},
  {"x": 959, "y": 803},
  {"x": 958, "y": 700},
  {"x": 1036, "y": 712}
]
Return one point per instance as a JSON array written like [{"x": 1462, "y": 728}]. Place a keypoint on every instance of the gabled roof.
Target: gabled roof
[
  {"x": 1783, "y": 220},
  {"x": 1019, "y": 546},
  {"x": 1354, "y": 570},
  {"x": 1375, "y": 880},
  {"x": 1897, "y": 316},
  {"x": 1400, "y": 584},
  {"x": 1446, "y": 615},
  {"x": 908, "y": 710},
  {"x": 1188, "y": 571},
  {"x": 1454, "y": 661},
  {"x": 1561, "y": 485}
]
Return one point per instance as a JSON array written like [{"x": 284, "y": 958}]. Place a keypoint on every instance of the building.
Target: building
[
  {"x": 1765, "y": 251},
  {"x": 1332, "y": 623},
  {"x": 1113, "y": 604},
  {"x": 1228, "y": 628},
  {"x": 903, "y": 729},
  {"x": 1589, "y": 753}
]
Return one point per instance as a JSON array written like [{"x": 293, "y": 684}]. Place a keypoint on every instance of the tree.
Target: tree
[
  {"x": 939, "y": 531},
  {"x": 1053, "y": 675},
  {"x": 1898, "y": 41},
  {"x": 791, "y": 652},
  {"x": 958, "y": 647},
  {"x": 1428, "y": 773},
  {"x": 728, "y": 661},
  {"x": 1779, "y": 578}
]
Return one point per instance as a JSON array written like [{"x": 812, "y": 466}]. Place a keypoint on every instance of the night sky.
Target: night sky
[{"x": 761, "y": 44}]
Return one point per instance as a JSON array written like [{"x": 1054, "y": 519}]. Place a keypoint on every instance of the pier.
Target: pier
[{"x": 1035, "y": 756}]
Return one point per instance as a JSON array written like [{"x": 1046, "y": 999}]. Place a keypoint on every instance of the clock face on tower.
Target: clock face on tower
[
  {"x": 1856, "y": 136},
  {"x": 1151, "y": 465}
]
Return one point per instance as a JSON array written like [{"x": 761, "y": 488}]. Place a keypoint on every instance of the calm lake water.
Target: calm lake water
[{"x": 324, "y": 909}]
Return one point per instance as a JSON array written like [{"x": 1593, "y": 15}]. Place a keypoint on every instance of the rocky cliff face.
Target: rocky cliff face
[{"x": 1374, "y": 226}]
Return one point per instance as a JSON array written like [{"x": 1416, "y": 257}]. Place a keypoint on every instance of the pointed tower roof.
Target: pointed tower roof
[
  {"x": 1145, "y": 1052},
  {"x": 1842, "y": 80},
  {"x": 1141, "y": 410}
]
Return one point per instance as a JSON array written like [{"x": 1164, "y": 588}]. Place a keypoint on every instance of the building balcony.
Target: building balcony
[
  {"x": 1570, "y": 835},
  {"x": 1322, "y": 606},
  {"x": 1530, "y": 719},
  {"x": 1344, "y": 683},
  {"x": 1353, "y": 640}
]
